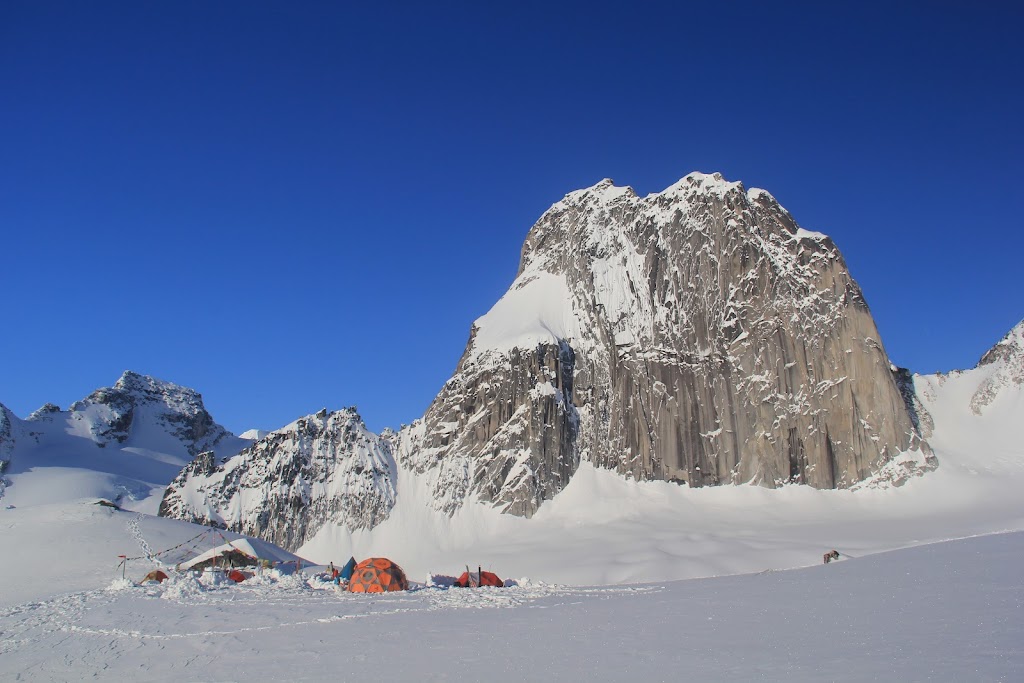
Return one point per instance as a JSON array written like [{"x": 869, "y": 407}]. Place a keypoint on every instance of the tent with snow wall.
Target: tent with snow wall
[
  {"x": 155, "y": 575},
  {"x": 377, "y": 575},
  {"x": 243, "y": 552},
  {"x": 478, "y": 578}
]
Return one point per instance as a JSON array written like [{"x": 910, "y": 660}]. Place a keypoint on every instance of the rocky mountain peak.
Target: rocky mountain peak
[
  {"x": 44, "y": 411},
  {"x": 1009, "y": 349},
  {"x": 7, "y": 441},
  {"x": 325, "y": 467},
  {"x": 698, "y": 334},
  {"x": 1002, "y": 366},
  {"x": 138, "y": 402}
]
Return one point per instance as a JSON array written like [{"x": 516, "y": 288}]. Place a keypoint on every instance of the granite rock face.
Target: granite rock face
[
  {"x": 697, "y": 335},
  {"x": 283, "y": 488},
  {"x": 506, "y": 435}
]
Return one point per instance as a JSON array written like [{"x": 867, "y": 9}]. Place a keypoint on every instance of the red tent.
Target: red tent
[
  {"x": 156, "y": 575},
  {"x": 237, "y": 576},
  {"x": 478, "y": 578}
]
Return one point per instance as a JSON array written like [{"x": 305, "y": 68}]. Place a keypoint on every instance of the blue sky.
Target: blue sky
[{"x": 294, "y": 208}]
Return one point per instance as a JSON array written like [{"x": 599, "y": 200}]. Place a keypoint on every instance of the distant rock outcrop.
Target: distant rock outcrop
[
  {"x": 140, "y": 431},
  {"x": 137, "y": 404},
  {"x": 1005, "y": 365},
  {"x": 322, "y": 468}
]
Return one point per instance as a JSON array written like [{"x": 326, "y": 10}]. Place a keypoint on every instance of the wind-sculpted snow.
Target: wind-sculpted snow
[
  {"x": 697, "y": 335},
  {"x": 283, "y": 488}
]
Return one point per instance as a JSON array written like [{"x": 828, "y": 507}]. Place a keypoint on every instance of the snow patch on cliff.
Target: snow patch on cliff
[{"x": 537, "y": 309}]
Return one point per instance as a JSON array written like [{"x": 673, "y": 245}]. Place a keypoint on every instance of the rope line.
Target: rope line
[
  {"x": 163, "y": 552},
  {"x": 125, "y": 560}
]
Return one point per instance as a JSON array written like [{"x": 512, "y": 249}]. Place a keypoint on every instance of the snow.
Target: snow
[
  {"x": 537, "y": 309},
  {"x": 928, "y": 587},
  {"x": 809, "y": 234},
  {"x": 605, "y": 189}
]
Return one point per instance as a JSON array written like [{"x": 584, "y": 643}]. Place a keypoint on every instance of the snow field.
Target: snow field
[{"x": 949, "y": 611}]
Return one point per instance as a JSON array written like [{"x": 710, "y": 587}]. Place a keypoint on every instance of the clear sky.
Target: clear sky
[{"x": 290, "y": 208}]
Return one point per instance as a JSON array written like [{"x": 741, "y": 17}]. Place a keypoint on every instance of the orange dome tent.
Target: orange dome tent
[{"x": 377, "y": 575}]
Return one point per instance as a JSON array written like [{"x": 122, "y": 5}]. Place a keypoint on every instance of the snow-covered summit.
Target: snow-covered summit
[
  {"x": 1000, "y": 372},
  {"x": 696, "y": 183},
  {"x": 120, "y": 442},
  {"x": 141, "y": 406},
  {"x": 584, "y": 239},
  {"x": 1010, "y": 349},
  {"x": 604, "y": 190}
]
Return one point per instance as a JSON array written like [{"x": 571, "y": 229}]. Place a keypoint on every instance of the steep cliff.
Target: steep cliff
[
  {"x": 7, "y": 429},
  {"x": 696, "y": 335}
]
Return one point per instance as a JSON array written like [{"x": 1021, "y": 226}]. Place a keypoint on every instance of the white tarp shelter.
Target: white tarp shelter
[{"x": 244, "y": 552}]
